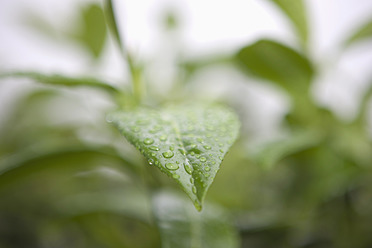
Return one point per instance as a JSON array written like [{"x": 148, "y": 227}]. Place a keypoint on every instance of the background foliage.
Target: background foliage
[{"x": 68, "y": 178}]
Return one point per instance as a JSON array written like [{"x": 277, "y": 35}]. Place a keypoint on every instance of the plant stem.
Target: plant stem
[{"x": 134, "y": 70}]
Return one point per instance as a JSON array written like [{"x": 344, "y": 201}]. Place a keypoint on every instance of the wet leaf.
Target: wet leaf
[
  {"x": 187, "y": 142},
  {"x": 270, "y": 60},
  {"x": 181, "y": 226}
]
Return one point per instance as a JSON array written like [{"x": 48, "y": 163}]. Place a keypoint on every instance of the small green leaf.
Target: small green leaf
[
  {"x": 181, "y": 226},
  {"x": 187, "y": 142},
  {"x": 56, "y": 79},
  {"x": 276, "y": 62},
  {"x": 93, "y": 32},
  {"x": 295, "y": 10},
  {"x": 363, "y": 32}
]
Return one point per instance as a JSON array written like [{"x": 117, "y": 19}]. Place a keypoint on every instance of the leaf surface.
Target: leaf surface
[
  {"x": 270, "y": 60},
  {"x": 183, "y": 227},
  {"x": 185, "y": 142}
]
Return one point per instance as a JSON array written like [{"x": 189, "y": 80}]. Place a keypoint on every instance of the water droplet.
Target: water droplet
[
  {"x": 135, "y": 129},
  {"x": 177, "y": 162},
  {"x": 153, "y": 154},
  {"x": 151, "y": 161},
  {"x": 208, "y": 135},
  {"x": 207, "y": 168},
  {"x": 155, "y": 129},
  {"x": 197, "y": 156},
  {"x": 168, "y": 154},
  {"x": 221, "y": 150},
  {"x": 207, "y": 147},
  {"x": 171, "y": 148},
  {"x": 210, "y": 128},
  {"x": 176, "y": 176},
  {"x": 192, "y": 146},
  {"x": 163, "y": 137},
  {"x": 191, "y": 180},
  {"x": 156, "y": 162},
  {"x": 109, "y": 119},
  {"x": 154, "y": 148},
  {"x": 220, "y": 157},
  {"x": 213, "y": 162},
  {"x": 182, "y": 152},
  {"x": 192, "y": 153},
  {"x": 142, "y": 122},
  {"x": 220, "y": 144},
  {"x": 171, "y": 166},
  {"x": 200, "y": 140},
  {"x": 203, "y": 159},
  {"x": 148, "y": 141},
  {"x": 187, "y": 168},
  {"x": 193, "y": 189},
  {"x": 206, "y": 174}
]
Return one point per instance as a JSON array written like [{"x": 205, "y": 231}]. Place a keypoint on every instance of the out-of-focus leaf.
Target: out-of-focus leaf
[
  {"x": 276, "y": 151},
  {"x": 181, "y": 226},
  {"x": 130, "y": 201},
  {"x": 363, "y": 32},
  {"x": 276, "y": 62},
  {"x": 187, "y": 142},
  {"x": 56, "y": 79},
  {"x": 111, "y": 22},
  {"x": 295, "y": 10},
  {"x": 93, "y": 32},
  {"x": 20, "y": 166}
]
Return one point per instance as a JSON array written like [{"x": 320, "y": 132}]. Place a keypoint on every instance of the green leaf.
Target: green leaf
[
  {"x": 93, "y": 32},
  {"x": 363, "y": 32},
  {"x": 56, "y": 79},
  {"x": 270, "y": 60},
  {"x": 186, "y": 142},
  {"x": 295, "y": 10},
  {"x": 183, "y": 227},
  {"x": 278, "y": 150}
]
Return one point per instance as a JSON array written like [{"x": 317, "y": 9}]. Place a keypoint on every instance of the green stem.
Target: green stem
[{"x": 134, "y": 70}]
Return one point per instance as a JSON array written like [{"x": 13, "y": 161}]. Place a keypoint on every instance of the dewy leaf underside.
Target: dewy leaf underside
[{"x": 187, "y": 142}]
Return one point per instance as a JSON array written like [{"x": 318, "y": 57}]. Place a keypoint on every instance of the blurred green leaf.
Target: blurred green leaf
[
  {"x": 363, "y": 32},
  {"x": 181, "y": 226},
  {"x": 130, "y": 201},
  {"x": 93, "y": 32},
  {"x": 278, "y": 150},
  {"x": 56, "y": 79},
  {"x": 20, "y": 166},
  {"x": 296, "y": 12},
  {"x": 187, "y": 142},
  {"x": 270, "y": 60}
]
